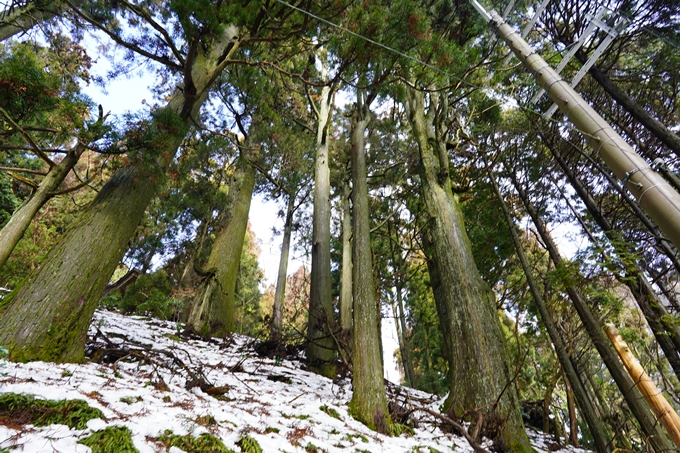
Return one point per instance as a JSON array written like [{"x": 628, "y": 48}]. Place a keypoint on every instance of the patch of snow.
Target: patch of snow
[{"x": 276, "y": 402}]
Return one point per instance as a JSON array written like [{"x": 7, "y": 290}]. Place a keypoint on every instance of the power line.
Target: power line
[{"x": 376, "y": 43}]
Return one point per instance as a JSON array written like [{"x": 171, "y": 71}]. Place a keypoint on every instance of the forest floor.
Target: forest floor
[{"x": 152, "y": 381}]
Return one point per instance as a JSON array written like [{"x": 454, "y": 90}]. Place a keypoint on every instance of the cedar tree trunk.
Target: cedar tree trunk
[
  {"x": 320, "y": 349},
  {"x": 13, "y": 231},
  {"x": 369, "y": 403},
  {"x": 479, "y": 378},
  {"x": 650, "y": 427},
  {"x": 47, "y": 316},
  {"x": 212, "y": 312},
  {"x": 280, "y": 294}
]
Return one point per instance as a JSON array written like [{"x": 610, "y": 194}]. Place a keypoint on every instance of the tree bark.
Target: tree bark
[
  {"x": 346, "y": 277},
  {"x": 65, "y": 288},
  {"x": 320, "y": 349},
  {"x": 666, "y": 334},
  {"x": 656, "y": 127},
  {"x": 14, "y": 230},
  {"x": 652, "y": 430},
  {"x": 572, "y": 381},
  {"x": 479, "y": 378},
  {"x": 369, "y": 403},
  {"x": 280, "y": 294},
  {"x": 23, "y": 18},
  {"x": 212, "y": 313}
]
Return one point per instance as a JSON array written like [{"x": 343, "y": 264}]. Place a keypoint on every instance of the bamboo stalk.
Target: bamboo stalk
[{"x": 663, "y": 410}]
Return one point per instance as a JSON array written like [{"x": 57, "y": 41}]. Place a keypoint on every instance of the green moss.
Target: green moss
[
  {"x": 330, "y": 411},
  {"x": 114, "y": 439},
  {"x": 351, "y": 437},
  {"x": 249, "y": 445},
  {"x": 72, "y": 413},
  {"x": 299, "y": 417},
  {"x": 397, "y": 429},
  {"x": 205, "y": 443},
  {"x": 271, "y": 429},
  {"x": 130, "y": 399}
]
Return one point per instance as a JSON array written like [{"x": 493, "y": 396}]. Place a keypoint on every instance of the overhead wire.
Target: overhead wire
[{"x": 401, "y": 54}]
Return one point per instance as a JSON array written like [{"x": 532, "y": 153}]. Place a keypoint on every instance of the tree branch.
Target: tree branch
[{"x": 28, "y": 138}]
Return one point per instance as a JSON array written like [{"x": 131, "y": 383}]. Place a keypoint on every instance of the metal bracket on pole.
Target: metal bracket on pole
[
  {"x": 574, "y": 48},
  {"x": 655, "y": 195},
  {"x": 529, "y": 26},
  {"x": 612, "y": 33}
]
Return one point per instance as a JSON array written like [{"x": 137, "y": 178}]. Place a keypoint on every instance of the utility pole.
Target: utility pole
[{"x": 656, "y": 196}]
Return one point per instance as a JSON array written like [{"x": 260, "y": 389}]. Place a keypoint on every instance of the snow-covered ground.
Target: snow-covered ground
[{"x": 277, "y": 403}]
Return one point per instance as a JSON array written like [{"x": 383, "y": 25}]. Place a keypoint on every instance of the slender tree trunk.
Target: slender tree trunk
[
  {"x": 320, "y": 350},
  {"x": 369, "y": 403},
  {"x": 346, "y": 277},
  {"x": 212, "y": 312},
  {"x": 567, "y": 363},
  {"x": 14, "y": 230},
  {"x": 479, "y": 378},
  {"x": 23, "y": 18},
  {"x": 656, "y": 127},
  {"x": 189, "y": 272},
  {"x": 65, "y": 288},
  {"x": 667, "y": 335},
  {"x": 573, "y": 419},
  {"x": 280, "y": 294},
  {"x": 402, "y": 332},
  {"x": 652, "y": 430},
  {"x": 400, "y": 316}
]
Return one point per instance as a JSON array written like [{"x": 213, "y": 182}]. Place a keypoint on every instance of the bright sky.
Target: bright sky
[{"x": 128, "y": 95}]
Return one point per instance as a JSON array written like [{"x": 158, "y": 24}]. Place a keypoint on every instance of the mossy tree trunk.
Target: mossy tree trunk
[
  {"x": 280, "y": 294},
  {"x": 212, "y": 312},
  {"x": 320, "y": 349},
  {"x": 47, "y": 317},
  {"x": 369, "y": 403},
  {"x": 21, "y": 19},
  {"x": 479, "y": 378},
  {"x": 14, "y": 230},
  {"x": 655, "y": 436}
]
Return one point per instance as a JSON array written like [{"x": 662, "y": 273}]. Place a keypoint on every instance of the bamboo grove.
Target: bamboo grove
[{"x": 414, "y": 175}]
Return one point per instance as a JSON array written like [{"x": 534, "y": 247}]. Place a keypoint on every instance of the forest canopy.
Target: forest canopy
[{"x": 420, "y": 170}]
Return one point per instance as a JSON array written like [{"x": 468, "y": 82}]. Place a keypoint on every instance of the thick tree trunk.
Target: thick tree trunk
[
  {"x": 23, "y": 18},
  {"x": 47, "y": 317},
  {"x": 652, "y": 430},
  {"x": 369, "y": 403},
  {"x": 13, "y": 231},
  {"x": 668, "y": 334},
  {"x": 280, "y": 294},
  {"x": 572, "y": 380},
  {"x": 320, "y": 349},
  {"x": 479, "y": 378},
  {"x": 212, "y": 312},
  {"x": 656, "y": 127},
  {"x": 346, "y": 276}
]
